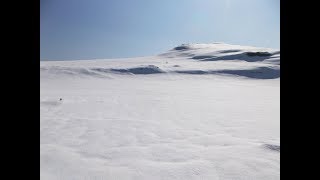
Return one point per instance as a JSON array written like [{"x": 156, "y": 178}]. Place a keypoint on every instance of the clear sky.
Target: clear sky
[{"x": 97, "y": 29}]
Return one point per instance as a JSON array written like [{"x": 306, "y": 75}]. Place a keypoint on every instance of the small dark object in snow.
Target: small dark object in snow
[
  {"x": 273, "y": 147},
  {"x": 60, "y": 99}
]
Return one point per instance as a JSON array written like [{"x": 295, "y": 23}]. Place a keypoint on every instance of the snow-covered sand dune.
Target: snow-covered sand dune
[{"x": 198, "y": 111}]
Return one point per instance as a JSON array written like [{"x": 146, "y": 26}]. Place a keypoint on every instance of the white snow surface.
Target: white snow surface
[{"x": 198, "y": 111}]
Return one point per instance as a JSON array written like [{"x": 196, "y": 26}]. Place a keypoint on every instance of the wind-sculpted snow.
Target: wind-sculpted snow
[
  {"x": 197, "y": 59},
  {"x": 71, "y": 71},
  {"x": 170, "y": 116},
  {"x": 221, "y": 51},
  {"x": 257, "y": 73},
  {"x": 100, "y": 72}
]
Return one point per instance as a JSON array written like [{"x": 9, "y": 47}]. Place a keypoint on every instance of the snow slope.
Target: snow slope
[{"x": 198, "y": 111}]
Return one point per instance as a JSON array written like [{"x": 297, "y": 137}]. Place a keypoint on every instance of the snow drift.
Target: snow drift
[{"x": 197, "y": 111}]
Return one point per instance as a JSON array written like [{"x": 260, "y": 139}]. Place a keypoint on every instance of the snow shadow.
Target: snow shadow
[
  {"x": 245, "y": 56},
  {"x": 257, "y": 73},
  {"x": 182, "y": 47},
  {"x": 150, "y": 69}
]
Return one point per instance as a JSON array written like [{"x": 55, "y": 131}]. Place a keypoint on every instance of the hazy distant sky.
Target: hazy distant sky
[{"x": 97, "y": 29}]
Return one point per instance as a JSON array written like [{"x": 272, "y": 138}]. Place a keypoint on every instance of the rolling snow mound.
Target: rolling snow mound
[{"x": 192, "y": 59}]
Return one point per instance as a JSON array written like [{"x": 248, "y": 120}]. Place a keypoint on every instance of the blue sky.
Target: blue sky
[{"x": 97, "y": 29}]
